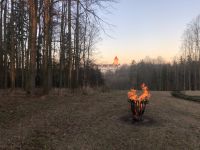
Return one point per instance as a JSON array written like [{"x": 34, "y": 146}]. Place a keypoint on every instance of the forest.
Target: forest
[{"x": 49, "y": 43}]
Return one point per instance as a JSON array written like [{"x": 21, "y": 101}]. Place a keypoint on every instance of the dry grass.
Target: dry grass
[
  {"x": 97, "y": 121},
  {"x": 192, "y": 93}
]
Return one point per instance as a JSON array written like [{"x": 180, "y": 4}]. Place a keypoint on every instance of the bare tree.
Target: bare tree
[{"x": 32, "y": 37}]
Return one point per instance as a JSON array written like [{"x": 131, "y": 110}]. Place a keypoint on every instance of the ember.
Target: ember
[{"x": 138, "y": 103}]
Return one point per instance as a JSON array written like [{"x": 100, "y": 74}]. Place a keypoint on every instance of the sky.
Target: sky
[{"x": 145, "y": 28}]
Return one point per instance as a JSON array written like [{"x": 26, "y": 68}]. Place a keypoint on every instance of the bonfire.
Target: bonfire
[{"x": 138, "y": 103}]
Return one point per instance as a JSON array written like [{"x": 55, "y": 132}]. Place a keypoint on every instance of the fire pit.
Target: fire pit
[{"x": 138, "y": 103}]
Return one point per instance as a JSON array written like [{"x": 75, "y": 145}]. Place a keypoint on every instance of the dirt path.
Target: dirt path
[{"x": 98, "y": 121}]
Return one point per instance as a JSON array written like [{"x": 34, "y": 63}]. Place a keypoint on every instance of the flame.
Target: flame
[
  {"x": 145, "y": 95},
  {"x": 132, "y": 95}
]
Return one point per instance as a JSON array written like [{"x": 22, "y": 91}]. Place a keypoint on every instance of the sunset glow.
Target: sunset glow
[{"x": 146, "y": 28}]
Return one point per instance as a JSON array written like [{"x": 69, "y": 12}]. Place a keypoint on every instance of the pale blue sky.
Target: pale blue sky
[{"x": 146, "y": 28}]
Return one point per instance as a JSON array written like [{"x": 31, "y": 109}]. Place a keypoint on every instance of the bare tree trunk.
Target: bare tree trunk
[
  {"x": 77, "y": 47},
  {"x": 39, "y": 45},
  {"x": 62, "y": 47},
  {"x": 22, "y": 46},
  {"x": 33, "y": 33},
  {"x": 1, "y": 47},
  {"x": 12, "y": 52},
  {"x": 184, "y": 77},
  {"x": 46, "y": 45},
  {"x": 84, "y": 52},
  {"x": 50, "y": 46},
  {"x": 69, "y": 46},
  {"x": 189, "y": 79},
  {"x": 5, "y": 47},
  {"x": 22, "y": 13}
]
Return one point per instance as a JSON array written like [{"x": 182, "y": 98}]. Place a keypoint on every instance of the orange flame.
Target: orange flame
[
  {"x": 145, "y": 95},
  {"x": 132, "y": 95}
]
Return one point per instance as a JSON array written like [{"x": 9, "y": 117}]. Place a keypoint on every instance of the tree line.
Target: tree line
[
  {"x": 158, "y": 75},
  {"x": 49, "y": 43},
  {"x": 183, "y": 73}
]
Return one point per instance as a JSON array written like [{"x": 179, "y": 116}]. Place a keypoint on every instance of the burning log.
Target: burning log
[{"x": 138, "y": 103}]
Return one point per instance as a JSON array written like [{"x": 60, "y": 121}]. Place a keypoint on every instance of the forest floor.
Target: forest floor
[{"x": 97, "y": 121}]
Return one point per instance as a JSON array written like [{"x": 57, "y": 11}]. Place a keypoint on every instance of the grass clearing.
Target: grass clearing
[{"x": 97, "y": 121}]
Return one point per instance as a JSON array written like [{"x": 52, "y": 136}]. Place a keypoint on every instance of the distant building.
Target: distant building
[
  {"x": 109, "y": 67},
  {"x": 116, "y": 61}
]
